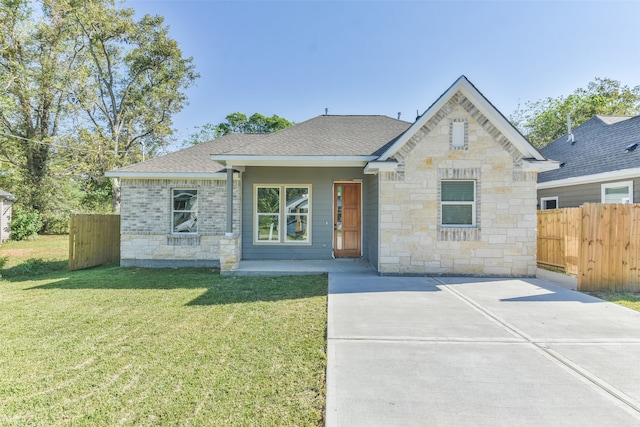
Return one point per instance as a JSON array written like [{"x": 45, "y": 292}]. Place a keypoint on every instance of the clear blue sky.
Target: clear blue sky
[{"x": 294, "y": 58}]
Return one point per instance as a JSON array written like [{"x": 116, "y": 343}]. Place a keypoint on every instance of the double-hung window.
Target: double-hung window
[
  {"x": 458, "y": 203},
  {"x": 282, "y": 213},
  {"x": 184, "y": 211}
]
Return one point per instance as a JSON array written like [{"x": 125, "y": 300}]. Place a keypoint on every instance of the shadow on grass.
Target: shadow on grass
[
  {"x": 217, "y": 289},
  {"x": 32, "y": 268}
]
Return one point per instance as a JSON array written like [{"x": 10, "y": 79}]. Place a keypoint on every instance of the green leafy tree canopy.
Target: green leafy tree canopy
[
  {"x": 238, "y": 123},
  {"x": 84, "y": 87},
  {"x": 545, "y": 120}
]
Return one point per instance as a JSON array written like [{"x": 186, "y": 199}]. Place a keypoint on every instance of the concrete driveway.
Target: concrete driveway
[{"x": 478, "y": 352}]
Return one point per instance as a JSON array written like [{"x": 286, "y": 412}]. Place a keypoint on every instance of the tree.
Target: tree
[
  {"x": 84, "y": 88},
  {"x": 38, "y": 59},
  {"x": 545, "y": 120},
  {"x": 238, "y": 123},
  {"x": 134, "y": 81}
]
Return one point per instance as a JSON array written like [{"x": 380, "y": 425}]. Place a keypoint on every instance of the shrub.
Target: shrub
[{"x": 25, "y": 224}]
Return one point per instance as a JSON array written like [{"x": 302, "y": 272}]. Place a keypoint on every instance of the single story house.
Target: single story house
[
  {"x": 6, "y": 204},
  {"x": 599, "y": 163},
  {"x": 451, "y": 193}
]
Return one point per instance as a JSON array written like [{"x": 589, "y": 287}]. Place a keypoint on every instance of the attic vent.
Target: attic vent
[{"x": 631, "y": 147}]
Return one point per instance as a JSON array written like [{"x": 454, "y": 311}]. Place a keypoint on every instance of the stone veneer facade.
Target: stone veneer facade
[
  {"x": 503, "y": 242},
  {"x": 146, "y": 238}
]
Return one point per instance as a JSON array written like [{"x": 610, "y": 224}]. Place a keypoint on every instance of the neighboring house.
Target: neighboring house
[
  {"x": 451, "y": 193},
  {"x": 6, "y": 203},
  {"x": 599, "y": 163}
]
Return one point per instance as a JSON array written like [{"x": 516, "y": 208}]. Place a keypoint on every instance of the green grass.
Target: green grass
[
  {"x": 626, "y": 299},
  {"x": 111, "y": 346}
]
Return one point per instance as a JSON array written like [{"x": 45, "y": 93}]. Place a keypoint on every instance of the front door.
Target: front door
[{"x": 347, "y": 214}]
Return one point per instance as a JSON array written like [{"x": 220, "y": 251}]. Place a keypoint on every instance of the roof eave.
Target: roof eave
[
  {"x": 292, "y": 161},
  {"x": 167, "y": 175},
  {"x": 590, "y": 179},
  {"x": 373, "y": 168},
  {"x": 533, "y": 165}
]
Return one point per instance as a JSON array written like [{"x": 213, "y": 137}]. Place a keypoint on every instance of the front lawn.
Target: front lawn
[
  {"x": 111, "y": 346},
  {"x": 626, "y": 299}
]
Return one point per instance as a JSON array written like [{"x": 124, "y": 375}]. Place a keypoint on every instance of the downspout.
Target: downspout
[{"x": 229, "y": 199}]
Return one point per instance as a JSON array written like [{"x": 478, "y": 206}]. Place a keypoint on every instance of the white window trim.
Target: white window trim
[
  {"x": 173, "y": 211},
  {"x": 545, "y": 199},
  {"x": 473, "y": 205},
  {"x": 257, "y": 214},
  {"x": 628, "y": 184},
  {"x": 282, "y": 216}
]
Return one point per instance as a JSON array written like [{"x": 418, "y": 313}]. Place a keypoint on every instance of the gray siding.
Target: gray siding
[
  {"x": 575, "y": 195},
  {"x": 370, "y": 226},
  {"x": 321, "y": 180}
]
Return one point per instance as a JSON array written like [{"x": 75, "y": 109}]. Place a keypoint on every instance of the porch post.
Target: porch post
[{"x": 229, "y": 198}]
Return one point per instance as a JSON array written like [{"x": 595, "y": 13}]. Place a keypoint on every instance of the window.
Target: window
[
  {"x": 268, "y": 214},
  {"x": 184, "y": 215},
  {"x": 297, "y": 211},
  {"x": 617, "y": 192},
  {"x": 548, "y": 203},
  {"x": 282, "y": 214},
  {"x": 458, "y": 203}
]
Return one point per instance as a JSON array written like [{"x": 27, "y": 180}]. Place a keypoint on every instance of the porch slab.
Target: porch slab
[{"x": 299, "y": 267}]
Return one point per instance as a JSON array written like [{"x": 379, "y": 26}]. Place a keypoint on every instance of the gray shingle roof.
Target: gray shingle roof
[
  {"x": 327, "y": 136},
  {"x": 196, "y": 159},
  {"x": 599, "y": 147},
  {"x": 320, "y": 136}
]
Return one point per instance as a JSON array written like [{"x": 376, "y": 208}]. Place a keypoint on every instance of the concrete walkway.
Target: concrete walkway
[{"x": 477, "y": 352}]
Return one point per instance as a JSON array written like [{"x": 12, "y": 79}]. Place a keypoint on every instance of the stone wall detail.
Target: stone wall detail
[
  {"x": 146, "y": 237},
  {"x": 503, "y": 240},
  {"x": 229, "y": 252}
]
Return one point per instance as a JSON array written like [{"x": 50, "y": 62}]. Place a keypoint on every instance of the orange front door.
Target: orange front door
[{"x": 347, "y": 214}]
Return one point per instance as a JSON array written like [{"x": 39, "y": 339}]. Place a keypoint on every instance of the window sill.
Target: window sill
[
  {"x": 282, "y": 243},
  {"x": 191, "y": 239},
  {"x": 458, "y": 234}
]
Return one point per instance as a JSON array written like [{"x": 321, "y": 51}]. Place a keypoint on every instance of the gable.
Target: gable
[
  {"x": 463, "y": 93},
  {"x": 459, "y": 109}
]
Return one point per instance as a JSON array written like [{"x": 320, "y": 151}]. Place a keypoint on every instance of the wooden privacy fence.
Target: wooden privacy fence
[
  {"x": 559, "y": 238},
  {"x": 599, "y": 243},
  {"x": 93, "y": 240}
]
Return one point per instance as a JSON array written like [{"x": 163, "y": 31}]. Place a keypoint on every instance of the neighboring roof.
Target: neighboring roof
[
  {"x": 192, "y": 161},
  {"x": 8, "y": 196},
  {"x": 599, "y": 147},
  {"x": 327, "y": 136}
]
